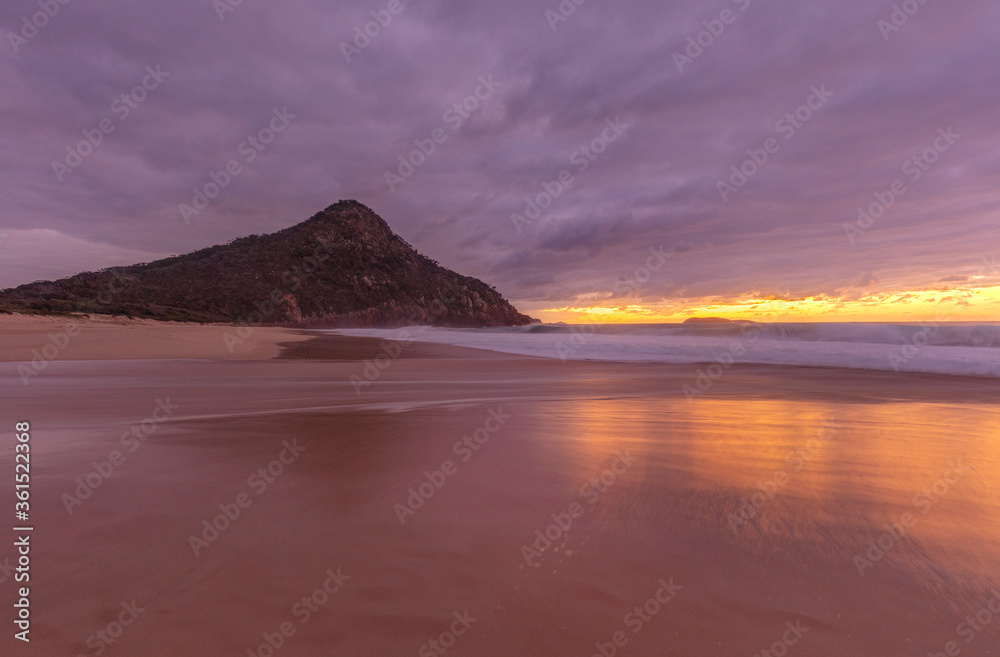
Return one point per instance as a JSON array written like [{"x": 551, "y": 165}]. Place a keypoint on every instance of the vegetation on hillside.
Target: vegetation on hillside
[{"x": 342, "y": 267}]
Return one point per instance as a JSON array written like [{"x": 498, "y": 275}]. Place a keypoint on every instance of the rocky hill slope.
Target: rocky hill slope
[{"x": 343, "y": 267}]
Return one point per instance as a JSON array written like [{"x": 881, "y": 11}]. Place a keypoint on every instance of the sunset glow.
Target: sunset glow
[{"x": 958, "y": 304}]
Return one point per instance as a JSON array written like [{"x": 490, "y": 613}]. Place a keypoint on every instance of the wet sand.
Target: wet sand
[{"x": 825, "y": 459}]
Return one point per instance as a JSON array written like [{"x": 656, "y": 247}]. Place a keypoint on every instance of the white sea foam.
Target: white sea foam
[{"x": 954, "y": 348}]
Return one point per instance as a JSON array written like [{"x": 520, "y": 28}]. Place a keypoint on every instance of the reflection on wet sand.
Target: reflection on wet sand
[{"x": 741, "y": 514}]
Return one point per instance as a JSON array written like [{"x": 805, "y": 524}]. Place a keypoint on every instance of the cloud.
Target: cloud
[
  {"x": 50, "y": 254},
  {"x": 868, "y": 280},
  {"x": 783, "y": 230}
]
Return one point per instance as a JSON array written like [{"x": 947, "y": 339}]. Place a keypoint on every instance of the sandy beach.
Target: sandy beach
[{"x": 276, "y": 499}]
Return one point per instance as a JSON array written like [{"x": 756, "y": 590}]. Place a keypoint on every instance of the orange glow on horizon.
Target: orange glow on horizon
[{"x": 953, "y": 305}]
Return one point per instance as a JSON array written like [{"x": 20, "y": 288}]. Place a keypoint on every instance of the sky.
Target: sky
[{"x": 607, "y": 162}]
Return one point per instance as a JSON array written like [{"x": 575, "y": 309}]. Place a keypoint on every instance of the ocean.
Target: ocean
[{"x": 963, "y": 349}]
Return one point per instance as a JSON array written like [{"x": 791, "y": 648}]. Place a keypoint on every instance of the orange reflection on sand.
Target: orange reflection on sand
[{"x": 830, "y": 474}]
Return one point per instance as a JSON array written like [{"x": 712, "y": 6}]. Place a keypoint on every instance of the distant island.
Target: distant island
[
  {"x": 342, "y": 267},
  {"x": 708, "y": 320}
]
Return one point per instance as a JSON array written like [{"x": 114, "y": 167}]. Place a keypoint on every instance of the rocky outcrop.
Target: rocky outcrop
[{"x": 342, "y": 267}]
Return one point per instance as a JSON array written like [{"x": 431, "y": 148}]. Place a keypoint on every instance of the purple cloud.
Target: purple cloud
[{"x": 555, "y": 91}]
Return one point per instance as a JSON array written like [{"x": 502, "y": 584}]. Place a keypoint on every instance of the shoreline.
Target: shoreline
[
  {"x": 105, "y": 338},
  {"x": 433, "y": 482}
]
